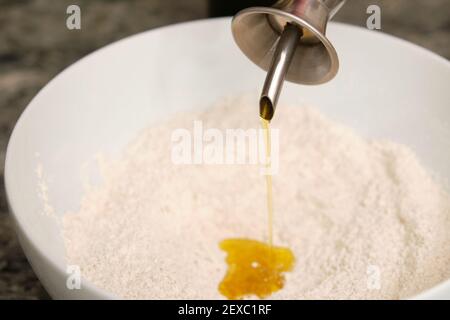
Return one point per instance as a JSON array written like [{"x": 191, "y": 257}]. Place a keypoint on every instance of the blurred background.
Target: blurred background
[{"x": 35, "y": 45}]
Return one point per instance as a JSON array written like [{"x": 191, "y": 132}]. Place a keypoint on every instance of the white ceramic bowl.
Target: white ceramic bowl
[{"x": 386, "y": 87}]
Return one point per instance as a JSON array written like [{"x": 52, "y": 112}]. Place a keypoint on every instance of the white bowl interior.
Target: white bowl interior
[{"x": 385, "y": 88}]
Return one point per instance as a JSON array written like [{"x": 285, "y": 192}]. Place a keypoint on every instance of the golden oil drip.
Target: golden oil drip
[
  {"x": 254, "y": 267},
  {"x": 266, "y": 127}
]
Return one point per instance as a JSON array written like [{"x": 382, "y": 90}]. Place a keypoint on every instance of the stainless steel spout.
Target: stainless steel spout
[{"x": 288, "y": 41}]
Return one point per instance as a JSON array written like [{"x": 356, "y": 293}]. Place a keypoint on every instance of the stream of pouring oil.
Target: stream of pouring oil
[
  {"x": 254, "y": 267},
  {"x": 269, "y": 189}
]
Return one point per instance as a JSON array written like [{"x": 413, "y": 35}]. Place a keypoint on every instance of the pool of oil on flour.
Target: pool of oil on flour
[{"x": 342, "y": 204}]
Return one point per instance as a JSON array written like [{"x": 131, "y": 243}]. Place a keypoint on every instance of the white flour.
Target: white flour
[{"x": 363, "y": 218}]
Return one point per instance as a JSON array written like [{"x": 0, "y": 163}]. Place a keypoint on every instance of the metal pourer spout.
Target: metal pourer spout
[
  {"x": 281, "y": 60},
  {"x": 288, "y": 40}
]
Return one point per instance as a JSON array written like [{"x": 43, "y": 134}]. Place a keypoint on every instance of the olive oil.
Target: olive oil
[
  {"x": 254, "y": 267},
  {"x": 266, "y": 127}
]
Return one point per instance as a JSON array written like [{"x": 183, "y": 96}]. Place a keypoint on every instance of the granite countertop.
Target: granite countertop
[{"x": 35, "y": 45}]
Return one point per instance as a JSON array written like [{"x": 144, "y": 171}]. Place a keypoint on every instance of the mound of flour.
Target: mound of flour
[{"x": 363, "y": 218}]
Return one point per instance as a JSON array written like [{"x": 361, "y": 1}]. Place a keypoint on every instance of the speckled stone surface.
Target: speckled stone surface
[{"x": 35, "y": 45}]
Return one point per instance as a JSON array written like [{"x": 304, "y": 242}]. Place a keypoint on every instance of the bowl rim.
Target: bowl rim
[{"x": 8, "y": 175}]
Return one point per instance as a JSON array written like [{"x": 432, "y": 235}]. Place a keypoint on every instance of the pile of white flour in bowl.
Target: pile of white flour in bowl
[{"x": 362, "y": 217}]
